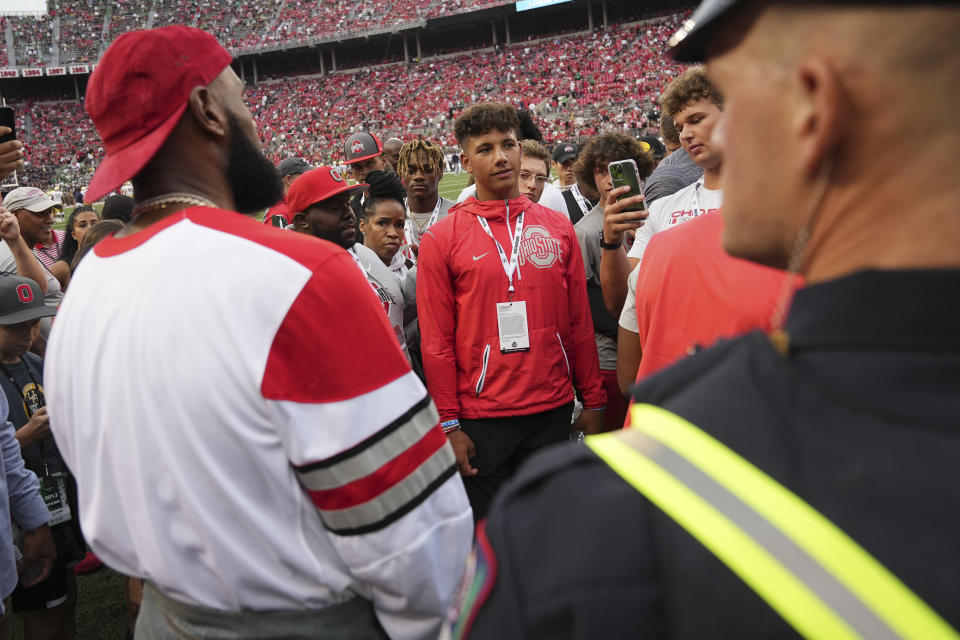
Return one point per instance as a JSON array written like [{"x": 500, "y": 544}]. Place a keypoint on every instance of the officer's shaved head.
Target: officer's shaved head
[{"x": 854, "y": 105}]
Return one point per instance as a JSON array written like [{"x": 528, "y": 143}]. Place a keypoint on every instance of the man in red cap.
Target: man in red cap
[
  {"x": 256, "y": 460},
  {"x": 319, "y": 201}
]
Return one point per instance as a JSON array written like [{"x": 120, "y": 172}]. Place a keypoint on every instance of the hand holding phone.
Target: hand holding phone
[
  {"x": 623, "y": 173},
  {"x": 11, "y": 156}
]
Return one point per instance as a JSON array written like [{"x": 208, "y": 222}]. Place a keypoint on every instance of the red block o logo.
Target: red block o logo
[{"x": 25, "y": 293}]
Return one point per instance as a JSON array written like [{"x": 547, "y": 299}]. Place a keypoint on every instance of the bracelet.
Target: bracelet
[
  {"x": 450, "y": 426},
  {"x": 610, "y": 246},
  {"x": 604, "y": 408}
]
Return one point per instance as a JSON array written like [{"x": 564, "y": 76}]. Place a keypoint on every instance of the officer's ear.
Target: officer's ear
[{"x": 820, "y": 112}]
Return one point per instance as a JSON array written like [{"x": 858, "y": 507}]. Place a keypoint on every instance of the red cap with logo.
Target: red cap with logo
[
  {"x": 318, "y": 185},
  {"x": 139, "y": 91}
]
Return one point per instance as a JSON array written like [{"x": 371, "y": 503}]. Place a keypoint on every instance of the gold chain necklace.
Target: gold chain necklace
[{"x": 159, "y": 202}]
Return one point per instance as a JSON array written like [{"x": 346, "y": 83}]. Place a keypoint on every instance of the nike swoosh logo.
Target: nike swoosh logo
[{"x": 475, "y": 258}]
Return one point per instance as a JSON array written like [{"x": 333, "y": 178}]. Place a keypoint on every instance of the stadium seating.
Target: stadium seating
[
  {"x": 81, "y": 30},
  {"x": 238, "y": 24},
  {"x": 3, "y": 43},
  {"x": 127, "y": 15},
  {"x": 569, "y": 81},
  {"x": 32, "y": 40}
]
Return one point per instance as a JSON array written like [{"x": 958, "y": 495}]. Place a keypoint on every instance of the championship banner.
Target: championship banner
[
  {"x": 32, "y": 73},
  {"x": 56, "y": 71},
  {"x": 79, "y": 68},
  {"x": 9, "y": 73}
]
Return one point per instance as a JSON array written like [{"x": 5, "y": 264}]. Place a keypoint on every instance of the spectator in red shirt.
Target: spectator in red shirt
[{"x": 689, "y": 294}]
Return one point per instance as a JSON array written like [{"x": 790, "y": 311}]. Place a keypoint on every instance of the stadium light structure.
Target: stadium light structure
[{"x": 23, "y": 8}]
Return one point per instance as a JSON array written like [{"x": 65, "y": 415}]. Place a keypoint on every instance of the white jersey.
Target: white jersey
[
  {"x": 245, "y": 431},
  {"x": 387, "y": 285},
  {"x": 669, "y": 211}
]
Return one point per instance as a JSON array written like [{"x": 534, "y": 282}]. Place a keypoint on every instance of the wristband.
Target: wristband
[
  {"x": 604, "y": 408},
  {"x": 450, "y": 426},
  {"x": 610, "y": 246}
]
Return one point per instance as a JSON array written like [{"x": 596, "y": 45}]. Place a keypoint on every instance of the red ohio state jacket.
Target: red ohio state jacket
[{"x": 460, "y": 280}]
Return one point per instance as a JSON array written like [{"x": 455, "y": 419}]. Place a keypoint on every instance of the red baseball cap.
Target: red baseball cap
[
  {"x": 317, "y": 185},
  {"x": 139, "y": 91}
]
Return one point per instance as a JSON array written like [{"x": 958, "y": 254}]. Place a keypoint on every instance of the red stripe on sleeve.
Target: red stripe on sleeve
[{"x": 371, "y": 486}]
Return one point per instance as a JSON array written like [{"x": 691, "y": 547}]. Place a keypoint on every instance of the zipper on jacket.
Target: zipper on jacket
[
  {"x": 566, "y": 360},
  {"x": 483, "y": 370}
]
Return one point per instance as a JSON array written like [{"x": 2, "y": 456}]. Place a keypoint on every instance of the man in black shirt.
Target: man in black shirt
[{"x": 802, "y": 482}]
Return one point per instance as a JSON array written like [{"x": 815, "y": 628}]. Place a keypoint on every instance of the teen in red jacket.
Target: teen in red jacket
[{"x": 506, "y": 332}]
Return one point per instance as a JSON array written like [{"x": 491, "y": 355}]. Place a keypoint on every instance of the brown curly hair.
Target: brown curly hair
[
  {"x": 606, "y": 148},
  {"x": 482, "y": 118},
  {"x": 690, "y": 86}
]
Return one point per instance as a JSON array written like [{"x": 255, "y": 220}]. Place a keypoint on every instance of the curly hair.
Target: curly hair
[
  {"x": 432, "y": 152},
  {"x": 482, "y": 118},
  {"x": 609, "y": 147},
  {"x": 384, "y": 185},
  {"x": 690, "y": 86}
]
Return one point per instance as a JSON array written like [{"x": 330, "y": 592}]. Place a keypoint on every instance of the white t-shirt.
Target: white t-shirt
[
  {"x": 628, "y": 315},
  {"x": 684, "y": 205},
  {"x": 244, "y": 430}
]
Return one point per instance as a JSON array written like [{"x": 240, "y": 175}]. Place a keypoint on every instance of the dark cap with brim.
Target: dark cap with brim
[
  {"x": 21, "y": 300},
  {"x": 689, "y": 43},
  {"x": 361, "y": 146}
]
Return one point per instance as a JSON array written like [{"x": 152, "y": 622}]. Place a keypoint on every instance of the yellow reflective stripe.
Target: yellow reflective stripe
[
  {"x": 880, "y": 590},
  {"x": 789, "y": 596}
]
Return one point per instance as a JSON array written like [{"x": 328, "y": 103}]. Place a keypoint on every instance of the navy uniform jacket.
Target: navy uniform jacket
[{"x": 861, "y": 419}]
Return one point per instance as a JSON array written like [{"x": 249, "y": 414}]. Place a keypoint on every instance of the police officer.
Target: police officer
[{"x": 802, "y": 483}]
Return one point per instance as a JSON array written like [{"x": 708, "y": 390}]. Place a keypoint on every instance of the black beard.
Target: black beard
[{"x": 254, "y": 181}]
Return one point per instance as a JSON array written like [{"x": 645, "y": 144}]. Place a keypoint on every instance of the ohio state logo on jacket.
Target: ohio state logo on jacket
[
  {"x": 461, "y": 283},
  {"x": 539, "y": 248}
]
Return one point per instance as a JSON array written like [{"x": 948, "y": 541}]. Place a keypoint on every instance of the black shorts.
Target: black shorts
[{"x": 50, "y": 593}]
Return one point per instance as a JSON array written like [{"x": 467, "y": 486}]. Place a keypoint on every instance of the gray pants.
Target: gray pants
[{"x": 163, "y": 618}]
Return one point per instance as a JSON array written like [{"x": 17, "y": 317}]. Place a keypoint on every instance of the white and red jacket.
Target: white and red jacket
[
  {"x": 245, "y": 431},
  {"x": 461, "y": 279}
]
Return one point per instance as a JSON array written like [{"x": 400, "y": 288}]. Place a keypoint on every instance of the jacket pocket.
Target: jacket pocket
[
  {"x": 483, "y": 371},
  {"x": 566, "y": 360}
]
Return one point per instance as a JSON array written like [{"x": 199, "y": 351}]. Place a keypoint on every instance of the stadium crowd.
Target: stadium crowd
[
  {"x": 569, "y": 81},
  {"x": 236, "y": 24},
  {"x": 355, "y": 413}
]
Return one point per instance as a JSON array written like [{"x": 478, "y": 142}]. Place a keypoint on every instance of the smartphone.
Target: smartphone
[
  {"x": 8, "y": 119},
  {"x": 624, "y": 173}
]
